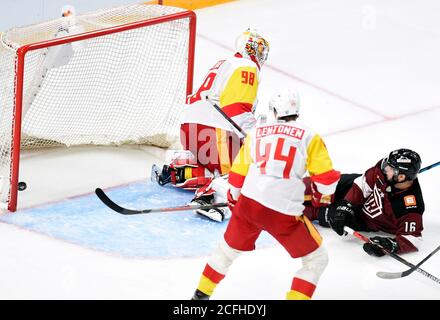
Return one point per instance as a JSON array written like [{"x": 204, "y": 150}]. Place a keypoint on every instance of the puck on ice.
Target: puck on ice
[{"x": 22, "y": 186}]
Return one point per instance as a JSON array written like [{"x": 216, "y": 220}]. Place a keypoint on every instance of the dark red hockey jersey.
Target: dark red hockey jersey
[{"x": 382, "y": 207}]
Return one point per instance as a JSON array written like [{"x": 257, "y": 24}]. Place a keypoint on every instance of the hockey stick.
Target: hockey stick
[
  {"x": 429, "y": 167},
  {"x": 115, "y": 207},
  {"x": 391, "y": 254},
  {"x": 232, "y": 122},
  {"x": 112, "y": 205},
  {"x": 396, "y": 275},
  {"x": 239, "y": 129}
]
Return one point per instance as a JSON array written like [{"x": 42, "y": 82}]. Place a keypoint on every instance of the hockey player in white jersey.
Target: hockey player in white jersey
[
  {"x": 211, "y": 141},
  {"x": 267, "y": 193}
]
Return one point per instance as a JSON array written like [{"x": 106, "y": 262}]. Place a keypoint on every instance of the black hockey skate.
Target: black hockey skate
[
  {"x": 162, "y": 177},
  {"x": 199, "y": 295}
]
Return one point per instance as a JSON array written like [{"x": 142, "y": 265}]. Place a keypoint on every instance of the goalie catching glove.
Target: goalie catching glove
[{"x": 319, "y": 199}]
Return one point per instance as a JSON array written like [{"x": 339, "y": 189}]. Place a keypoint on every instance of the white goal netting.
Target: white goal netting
[{"x": 107, "y": 89}]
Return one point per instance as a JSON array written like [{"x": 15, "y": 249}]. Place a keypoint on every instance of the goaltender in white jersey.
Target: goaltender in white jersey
[
  {"x": 225, "y": 85},
  {"x": 210, "y": 140}
]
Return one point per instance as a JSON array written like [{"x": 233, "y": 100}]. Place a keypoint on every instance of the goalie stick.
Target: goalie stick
[
  {"x": 231, "y": 122},
  {"x": 397, "y": 275},
  {"x": 112, "y": 205},
  {"x": 391, "y": 254}
]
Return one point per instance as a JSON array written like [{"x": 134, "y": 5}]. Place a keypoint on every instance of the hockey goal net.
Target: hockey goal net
[{"x": 109, "y": 77}]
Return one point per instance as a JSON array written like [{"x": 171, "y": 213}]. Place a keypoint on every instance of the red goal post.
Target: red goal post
[{"x": 132, "y": 68}]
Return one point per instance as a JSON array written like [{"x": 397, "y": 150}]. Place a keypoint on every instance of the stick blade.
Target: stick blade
[
  {"x": 106, "y": 200},
  {"x": 109, "y": 203},
  {"x": 389, "y": 275}
]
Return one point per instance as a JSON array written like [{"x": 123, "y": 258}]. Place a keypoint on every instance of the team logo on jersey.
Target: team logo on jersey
[
  {"x": 373, "y": 206},
  {"x": 410, "y": 201}
]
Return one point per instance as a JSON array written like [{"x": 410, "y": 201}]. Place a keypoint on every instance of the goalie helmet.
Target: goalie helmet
[
  {"x": 285, "y": 103},
  {"x": 403, "y": 161},
  {"x": 252, "y": 45}
]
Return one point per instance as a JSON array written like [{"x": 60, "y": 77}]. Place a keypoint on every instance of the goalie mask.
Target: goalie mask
[
  {"x": 251, "y": 44},
  {"x": 285, "y": 103}
]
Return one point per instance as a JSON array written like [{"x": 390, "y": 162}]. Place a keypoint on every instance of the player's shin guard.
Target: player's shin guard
[
  {"x": 305, "y": 280},
  {"x": 216, "y": 269}
]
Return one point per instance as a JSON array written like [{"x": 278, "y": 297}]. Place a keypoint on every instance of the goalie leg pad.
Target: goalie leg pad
[{"x": 188, "y": 177}]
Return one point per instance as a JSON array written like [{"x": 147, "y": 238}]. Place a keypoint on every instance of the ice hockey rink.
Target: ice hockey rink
[{"x": 369, "y": 77}]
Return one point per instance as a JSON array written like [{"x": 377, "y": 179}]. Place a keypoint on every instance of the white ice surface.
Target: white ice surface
[{"x": 369, "y": 78}]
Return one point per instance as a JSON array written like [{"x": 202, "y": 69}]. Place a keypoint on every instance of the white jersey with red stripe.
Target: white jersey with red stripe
[
  {"x": 279, "y": 155},
  {"x": 232, "y": 84}
]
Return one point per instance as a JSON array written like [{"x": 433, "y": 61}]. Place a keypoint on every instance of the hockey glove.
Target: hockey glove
[
  {"x": 319, "y": 199},
  {"x": 339, "y": 217},
  {"x": 375, "y": 248}
]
